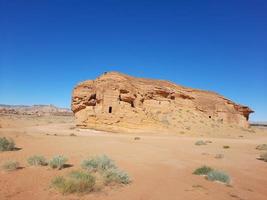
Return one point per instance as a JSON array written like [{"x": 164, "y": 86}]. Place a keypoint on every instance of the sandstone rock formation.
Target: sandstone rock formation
[{"x": 118, "y": 102}]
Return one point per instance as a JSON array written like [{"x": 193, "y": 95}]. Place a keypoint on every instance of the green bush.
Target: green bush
[
  {"x": 105, "y": 168},
  {"x": 261, "y": 147},
  {"x": 98, "y": 163},
  {"x": 58, "y": 162},
  {"x": 216, "y": 175},
  {"x": 116, "y": 176},
  {"x": 263, "y": 157},
  {"x": 6, "y": 144},
  {"x": 200, "y": 142},
  {"x": 10, "y": 165},
  {"x": 37, "y": 160},
  {"x": 76, "y": 182},
  {"x": 204, "y": 170}
]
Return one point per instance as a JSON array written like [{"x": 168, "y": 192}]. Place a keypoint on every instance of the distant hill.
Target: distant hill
[
  {"x": 38, "y": 110},
  {"x": 258, "y": 123}
]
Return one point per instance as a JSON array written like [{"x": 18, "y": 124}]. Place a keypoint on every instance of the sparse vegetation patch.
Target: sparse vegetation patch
[
  {"x": 98, "y": 171},
  {"x": 226, "y": 147},
  {"x": 58, "y": 162},
  {"x": 107, "y": 169},
  {"x": 10, "y": 165},
  {"x": 115, "y": 175},
  {"x": 75, "y": 182},
  {"x": 213, "y": 175},
  {"x": 204, "y": 170},
  {"x": 220, "y": 176},
  {"x": 37, "y": 160},
  {"x": 98, "y": 163},
  {"x": 261, "y": 147},
  {"x": 6, "y": 144}
]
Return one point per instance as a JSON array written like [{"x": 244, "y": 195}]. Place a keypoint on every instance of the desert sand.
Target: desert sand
[{"x": 160, "y": 165}]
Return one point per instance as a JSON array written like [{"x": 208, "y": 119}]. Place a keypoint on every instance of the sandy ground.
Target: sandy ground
[{"x": 160, "y": 165}]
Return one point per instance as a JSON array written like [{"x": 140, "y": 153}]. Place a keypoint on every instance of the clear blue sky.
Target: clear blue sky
[{"x": 46, "y": 47}]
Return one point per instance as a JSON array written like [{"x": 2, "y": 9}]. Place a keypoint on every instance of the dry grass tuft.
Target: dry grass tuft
[
  {"x": 75, "y": 182},
  {"x": 37, "y": 160},
  {"x": 10, "y": 165},
  {"x": 58, "y": 162}
]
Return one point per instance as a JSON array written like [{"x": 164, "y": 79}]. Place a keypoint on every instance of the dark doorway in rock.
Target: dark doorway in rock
[
  {"x": 209, "y": 116},
  {"x": 110, "y": 109}
]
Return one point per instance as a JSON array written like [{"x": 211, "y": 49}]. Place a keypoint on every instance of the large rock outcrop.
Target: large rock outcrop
[{"x": 118, "y": 102}]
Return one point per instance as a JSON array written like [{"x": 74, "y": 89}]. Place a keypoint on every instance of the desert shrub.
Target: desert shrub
[
  {"x": 216, "y": 175},
  {"x": 204, "y": 170},
  {"x": 261, "y": 147},
  {"x": 59, "y": 183},
  {"x": 58, "y": 162},
  {"x": 105, "y": 168},
  {"x": 6, "y": 144},
  {"x": 10, "y": 165},
  {"x": 263, "y": 157},
  {"x": 137, "y": 138},
  {"x": 72, "y": 134},
  {"x": 226, "y": 147},
  {"x": 213, "y": 175},
  {"x": 37, "y": 160},
  {"x": 98, "y": 163},
  {"x": 116, "y": 176},
  {"x": 200, "y": 142},
  {"x": 76, "y": 182}
]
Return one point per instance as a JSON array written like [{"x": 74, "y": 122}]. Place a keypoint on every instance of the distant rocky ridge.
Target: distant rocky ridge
[
  {"x": 118, "y": 102},
  {"x": 258, "y": 123},
  {"x": 39, "y": 110}
]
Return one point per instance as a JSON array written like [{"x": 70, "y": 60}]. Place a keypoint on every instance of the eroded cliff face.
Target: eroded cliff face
[{"x": 116, "y": 101}]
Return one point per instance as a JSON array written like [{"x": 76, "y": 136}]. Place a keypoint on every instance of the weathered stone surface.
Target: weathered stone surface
[{"x": 119, "y": 102}]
